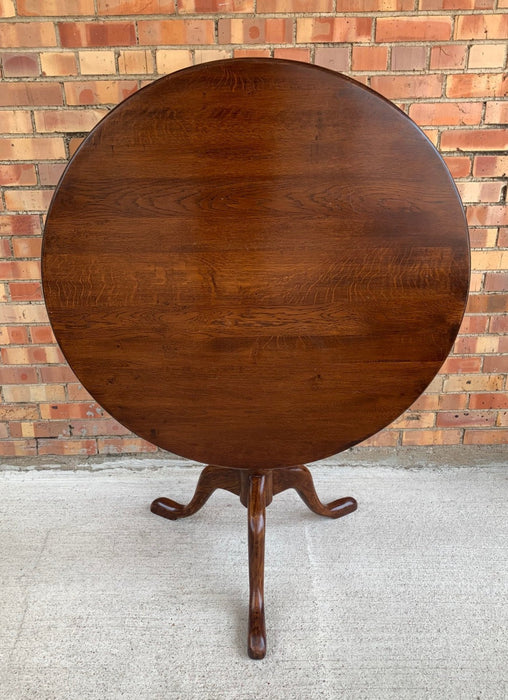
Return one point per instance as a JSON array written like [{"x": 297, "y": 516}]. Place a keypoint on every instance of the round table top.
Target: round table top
[{"x": 256, "y": 263}]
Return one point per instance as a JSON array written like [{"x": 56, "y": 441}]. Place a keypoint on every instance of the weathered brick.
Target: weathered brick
[
  {"x": 30, "y": 94},
  {"x": 97, "y": 62},
  {"x": 95, "y": 34},
  {"x": 486, "y": 437},
  {"x": 293, "y": 53},
  {"x": 77, "y": 120},
  {"x": 431, "y": 437},
  {"x": 496, "y": 112},
  {"x": 124, "y": 445},
  {"x": 18, "y": 174},
  {"x": 477, "y": 140},
  {"x": 59, "y": 411},
  {"x": 135, "y": 7},
  {"x": 374, "y": 5},
  {"x": 77, "y": 392},
  {"x": 135, "y": 61},
  {"x": 336, "y": 58},
  {"x": 20, "y": 64},
  {"x": 50, "y": 173},
  {"x": 27, "y": 34},
  {"x": 456, "y": 4},
  {"x": 476, "y": 85},
  {"x": 206, "y": 55},
  {"x": 488, "y": 401},
  {"x": 481, "y": 26},
  {"x": 404, "y": 86},
  {"x": 496, "y": 363},
  {"x": 28, "y": 200},
  {"x": 429, "y": 28},
  {"x": 487, "y": 56},
  {"x": 286, "y": 6},
  {"x": 334, "y": 29},
  {"x": 15, "y": 121},
  {"x": 499, "y": 324},
  {"x": 480, "y": 191},
  {"x": 490, "y": 166},
  {"x": 59, "y": 63},
  {"x": 19, "y": 225},
  {"x": 446, "y": 113},
  {"x": 66, "y": 447},
  {"x": 18, "y": 375},
  {"x": 34, "y": 393},
  {"x": 13, "y": 335},
  {"x": 415, "y": 419},
  {"x": 462, "y": 365},
  {"x": 369, "y": 58},
  {"x": 176, "y": 32},
  {"x": 483, "y": 237},
  {"x": 255, "y": 31},
  {"x": 27, "y": 247},
  {"x": 19, "y": 270},
  {"x": 408, "y": 58},
  {"x": 385, "y": 438},
  {"x": 459, "y": 166},
  {"x": 451, "y": 419},
  {"x": 55, "y": 8},
  {"x": 448, "y": 56},
  {"x": 487, "y": 215},
  {"x": 474, "y": 382},
  {"x": 170, "y": 60},
  {"x": 102, "y": 92},
  {"x": 18, "y": 448},
  {"x": 42, "y": 334}
]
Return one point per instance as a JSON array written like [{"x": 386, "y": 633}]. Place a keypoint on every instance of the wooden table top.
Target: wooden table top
[{"x": 256, "y": 263}]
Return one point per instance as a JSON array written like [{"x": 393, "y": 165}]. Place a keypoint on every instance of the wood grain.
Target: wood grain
[{"x": 256, "y": 263}]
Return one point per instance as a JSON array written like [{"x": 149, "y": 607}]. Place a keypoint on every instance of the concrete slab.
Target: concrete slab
[{"x": 406, "y": 598}]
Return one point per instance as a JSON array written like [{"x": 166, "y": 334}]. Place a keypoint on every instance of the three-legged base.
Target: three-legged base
[{"x": 256, "y": 489}]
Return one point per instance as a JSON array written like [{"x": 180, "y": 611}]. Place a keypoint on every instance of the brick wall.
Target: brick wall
[{"x": 66, "y": 62}]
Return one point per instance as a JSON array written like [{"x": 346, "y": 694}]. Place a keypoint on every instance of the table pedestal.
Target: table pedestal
[{"x": 256, "y": 489}]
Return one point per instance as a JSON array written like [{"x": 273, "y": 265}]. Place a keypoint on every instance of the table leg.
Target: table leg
[{"x": 256, "y": 522}]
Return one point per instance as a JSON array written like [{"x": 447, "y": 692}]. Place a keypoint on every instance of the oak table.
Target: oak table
[{"x": 255, "y": 264}]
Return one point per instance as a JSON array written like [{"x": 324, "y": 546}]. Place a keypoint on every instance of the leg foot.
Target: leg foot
[
  {"x": 300, "y": 479},
  {"x": 211, "y": 478},
  {"x": 256, "y": 645}
]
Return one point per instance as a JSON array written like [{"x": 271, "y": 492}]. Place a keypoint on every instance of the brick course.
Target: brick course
[{"x": 65, "y": 63}]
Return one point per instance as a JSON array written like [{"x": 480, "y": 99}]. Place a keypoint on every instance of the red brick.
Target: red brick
[
  {"x": 18, "y": 270},
  {"x": 55, "y": 8},
  {"x": 24, "y": 313},
  {"x": 488, "y": 401},
  {"x": 59, "y": 63},
  {"x": 503, "y": 238},
  {"x": 50, "y": 173},
  {"x": 431, "y": 437},
  {"x": 474, "y": 140},
  {"x": 18, "y": 375},
  {"x": 176, "y": 32},
  {"x": 486, "y": 437},
  {"x": 5, "y": 248},
  {"x": 480, "y": 191},
  {"x": 372, "y": 6},
  {"x": 69, "y": 120},
  {"x": 251, "y": 53},
  {"x": 13, "y": 335},
  {"x": 18, "y": 174},
  {"x": 461, "y": 419},
  {"x": 28, "y": 200},
  {"x": 370, "y": 58},
  {"x": 3, "y": 431},
  {"x": 18, "y": 448},
  {"x": 42, "y": 334},
  {"x": 452, "y": 402},
  {"x": 50, "y": 411},
  {"x": 502, "y": 419},
  {"x": 66, "y": 447},
  {"x": 33, "y": 355},
  {"x": 77, "y": 392},
  {"x": 135, "y": 7},
  {"x": 336, "y": 58},
  {"x": 448, "y": 56},
  {"x": 499, "y": 324},
  {"x": 473, "y": 382},
  {"x": 74, "y": 144},
  {"x": 20, "y": 64},
  {"x": 476, "y": 85},
  {"x": 293, "y": 54},
  {"x": 456, "y": 4},
  {"x": 286, "y": 6},
  {"x": 30, "y": 94},
  {"x": 336, "y": 29},
  {"x": 429, "y": 28},
  {"x": 459, "y": 166},
  {"x": 256, "y": 31},
  {"x": 481, "y": 26},
  {"x": 496, "y": 113},
  {"x": 57, "y": 375},
  {"x": 15, "y": 121},
  {"x": 82, "y": 34},
  {"x": 490, "y": 166},
  {"x": 27, "y": 34},
  {"x": 488, "y": 304},
  {"x": 487, "y": 215},
  {"x": 27, "y": 247},
  {"x": 408, "y": 58},
  {"x": 482, "y": 237},
  {"x": 446, "y": 113},
  {"x": 385, "y": 438},
  {"x": 404, "y": 86},
  {"x": 25, "y": 291},
  {"x": 462, "y": 365},
  {"x": 99, "y": 91},
  {"x": 496, "y": 363},
  {"x": 132, "y": 61},
  {"x": 124, "y": 445}
]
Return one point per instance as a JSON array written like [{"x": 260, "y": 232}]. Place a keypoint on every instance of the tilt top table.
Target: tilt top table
[{"x": 254, "y": 264}]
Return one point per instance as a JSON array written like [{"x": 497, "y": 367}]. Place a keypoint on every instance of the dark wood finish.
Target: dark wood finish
[
  {"x": 256, "y": 490},
  {"x": 255, "y": 264}
]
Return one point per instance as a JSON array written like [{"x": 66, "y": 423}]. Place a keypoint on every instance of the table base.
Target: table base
[{"x": 256, "y": 489}]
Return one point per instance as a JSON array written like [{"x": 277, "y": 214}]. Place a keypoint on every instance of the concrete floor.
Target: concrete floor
[{"x": 405, "y": 599}]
